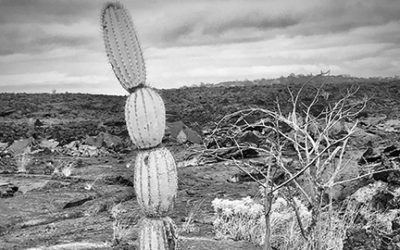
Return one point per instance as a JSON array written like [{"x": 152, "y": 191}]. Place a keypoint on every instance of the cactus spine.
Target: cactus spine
[{"x": 155, "y": 169}]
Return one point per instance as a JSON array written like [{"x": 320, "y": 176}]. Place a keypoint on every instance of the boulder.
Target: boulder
[
  {"x": 7, "y": 189},
  {"x": 390, "y": 126},
  {"x": 360, "y": 138},
  {"x": 38, "y": 123},
  {"x": 182, "y": 133},
  {"x": 372, "y": 120},
  {"x": 21, "y": 146},
  {"x": 384, "y": 163},
  {"x": 75, "y": 148},
  {"x": 6, "y": 111},
  {"x": 181, "y": 137},
  {"x": 111, "y": 141},
  {"x": 95, "y": 141},
  {"x": 378, "y": 210},
  {"x": 49, "y": 144},
  {"x": 104, "y": 140}
]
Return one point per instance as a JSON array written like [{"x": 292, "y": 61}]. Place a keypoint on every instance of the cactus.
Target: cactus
[
  {"x": 122, "y": 46},
  {"x": 145, "y": 118},
  {"x": 157, "y": 233},
  {"x": 155, "y": 181},
  {"x": 155, "y": 178}
]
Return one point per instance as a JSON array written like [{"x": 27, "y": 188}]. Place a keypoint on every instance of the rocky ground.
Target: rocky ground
[
  {"x": 69, "y": 180},
  {"x": 41, "y": 208}
]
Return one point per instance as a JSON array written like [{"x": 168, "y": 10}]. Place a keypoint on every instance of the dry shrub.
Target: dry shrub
[{"x": 244, "y": 220}]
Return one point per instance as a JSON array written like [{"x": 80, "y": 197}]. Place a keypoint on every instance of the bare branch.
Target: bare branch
[
  {"x": 293, "y": 204},
  {"x": 308, "y": 165},
  {"x": 365, "y": 175}
]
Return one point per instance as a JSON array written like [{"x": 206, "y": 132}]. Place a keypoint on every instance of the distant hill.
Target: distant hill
[
  {"x": 298, "y": 79},
  {"x": 68, "y": 116}
]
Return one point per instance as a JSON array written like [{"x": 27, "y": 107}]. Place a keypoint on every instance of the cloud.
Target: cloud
[
  {"x": 46, "y": 11},
  {"x": 41, "y": 25},
  {"x": 212, "y": 22},
  {"x": 202, "y": 22},
  {"x": 45, "y": 43},
  {"x": 191, "y": 23},
  {"x": 17, "y": 39}
]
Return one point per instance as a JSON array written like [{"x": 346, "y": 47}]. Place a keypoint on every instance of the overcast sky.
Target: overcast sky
[{"x": 57, "y": 44}]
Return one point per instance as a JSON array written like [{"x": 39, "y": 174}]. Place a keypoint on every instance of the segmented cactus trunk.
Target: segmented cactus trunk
[
  {"x": 155, "y": 178},
  {"x": 145, "y": 118},
  {"x": 155, "y": 181},
  {"x": 122, "y": 46},
  {"x": 157, "y": 233}
]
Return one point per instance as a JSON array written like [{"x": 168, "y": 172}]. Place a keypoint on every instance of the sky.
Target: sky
[{"x": 57, "y": 45}]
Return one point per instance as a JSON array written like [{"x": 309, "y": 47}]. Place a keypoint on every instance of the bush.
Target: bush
[{"x": 244, "y": 220}]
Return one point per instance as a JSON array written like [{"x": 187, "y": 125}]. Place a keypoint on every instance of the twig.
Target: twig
[{"x": 365, "y": 175}]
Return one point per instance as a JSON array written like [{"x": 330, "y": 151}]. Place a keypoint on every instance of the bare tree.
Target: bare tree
[{"x": 320, "y": 156}]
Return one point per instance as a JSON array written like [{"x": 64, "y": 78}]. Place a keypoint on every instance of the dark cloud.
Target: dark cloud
[
  {"x": 186, "y": 26},
  {"x": 254, "y": 20},
  {"x": 60, "y": 11},
  {"x": 44, "y": 11},
  {"x": 28, "y": 39},
  {"x": 189, "y": 22},
  {"x": 195, "y": 32},
  {"x": 220, "y": 22},
  {"x": 30, "y": 27},
  {"x": 343, "y": 16}
]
